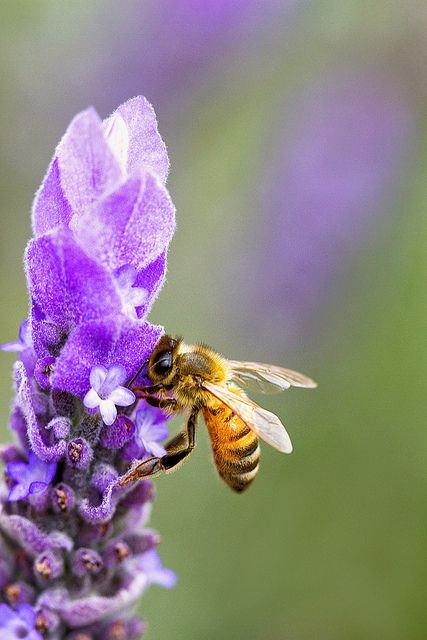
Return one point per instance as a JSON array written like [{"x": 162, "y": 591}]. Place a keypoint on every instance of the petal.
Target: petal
[
  {"x": 6, "y": 614},
  {"x": 118, "y": 433},
  {"x": 50, "y": 208},
  {"x": 46, "y": 280},
  {"x": 37, "y": 487},
  {"x": 139, "y": 216},
  {"x": 125, "y": 276},
  {"x": 108, "y": 411},
  {"x": 27, "y": 613},
  {"x": 18, "y": 492},
  {"x": 66, "y": 287},
  {"x": 11, "y": 347},
  {"x": 134, "y": 345},
  {"x": 146, "y": 147},
  {"x": 39, "y": 470},
  {"x": 18, "y": 471},
  {"x": 155, "y": 449},
  {"x": 25, "y": 333},
  {"x": 116, "y": 376},
  {"x": 91, "y": 399},
  {"x": 151, "y": 565},
  {"x": 122, "y": 397},
  {"x": 116, "y": 134},
  {"x": 88, "y": 167},
  {"x": 157, "y": 431},
  {"x": 164, "y": 577},
  {"x": 97, "y": 376},
  {"x": 49, "y": 472},
  {"x": 151, "y": 278}
]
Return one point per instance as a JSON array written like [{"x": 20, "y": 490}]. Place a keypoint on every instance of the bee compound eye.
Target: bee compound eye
[{"x": 163, "y": 364}]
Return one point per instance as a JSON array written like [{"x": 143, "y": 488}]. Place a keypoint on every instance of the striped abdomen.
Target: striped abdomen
[{"x": 235, "y": 447}]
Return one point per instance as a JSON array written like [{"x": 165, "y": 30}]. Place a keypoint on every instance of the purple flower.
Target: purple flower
[
  {"x": 102, "y": 221},
  {"x": 24, "y": 340},
  {"x": 32, "y": 477},
  {"x": 182, "y": 42},
  {"x": 335, "y": 175},
  {"x": 18, "y": 624},
  {"x": 151, "y": 565},
  {"x": 151, "y": 429},
  {"x": 107, "y": 391}
]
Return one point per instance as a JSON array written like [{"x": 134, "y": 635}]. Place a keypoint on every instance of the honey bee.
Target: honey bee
[{"x": 195, "y": 378}]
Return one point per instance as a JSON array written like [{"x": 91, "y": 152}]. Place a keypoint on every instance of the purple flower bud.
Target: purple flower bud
[
  {"x": 91, "y": 534},
  {"x": 115, "y": 553},
  {"x": 79, "y": 453},
  {"x": 142, "y": 542},
  {"x": 130, "y": 629},
  {"x": 18, "y": 593},
  {"x": 62, "y": 498},
  {"x": 43, "y": 371},
  {"x": 80, "y": 635},
  {"x": 120, "y": 432},
  {"x": 60, "y": 426},
  {"x": 48, "y": 565},
  {"x": 46, "y": 621},
  {"x": 86, "y": 562},
  {"x": 103, "y": 476}
]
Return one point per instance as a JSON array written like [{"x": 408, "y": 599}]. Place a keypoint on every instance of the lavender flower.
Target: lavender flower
[
  {"x": 75, "y": 555},
  {"x": 19, "y": 623},
  {"x": 151, "y": 429},
  {"x": 171, "y": 46},
  {"x": 23, "y": 342},
  {"x": 32, "y": 477},
  {"x": 335, "y": 174}
]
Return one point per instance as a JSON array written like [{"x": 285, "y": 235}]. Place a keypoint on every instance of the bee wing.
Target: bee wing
[
  {"x": 265, "y": 424},
  {"x": 268, "y": 378}
]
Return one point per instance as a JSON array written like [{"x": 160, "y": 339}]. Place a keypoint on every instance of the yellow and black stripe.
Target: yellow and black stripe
[{"x": 235, "y": 447}]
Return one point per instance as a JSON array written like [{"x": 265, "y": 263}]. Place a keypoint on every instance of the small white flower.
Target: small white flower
[{"x": 107, "y": 391}]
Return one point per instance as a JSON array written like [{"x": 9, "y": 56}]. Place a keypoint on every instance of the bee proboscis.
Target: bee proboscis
[{"x": 197, "y": 379}]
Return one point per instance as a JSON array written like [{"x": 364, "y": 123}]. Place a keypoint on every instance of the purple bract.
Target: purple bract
[{"x": 75, "y": 555}]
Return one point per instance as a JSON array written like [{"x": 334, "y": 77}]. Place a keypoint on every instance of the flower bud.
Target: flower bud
[{"x": 79, "y": 453}]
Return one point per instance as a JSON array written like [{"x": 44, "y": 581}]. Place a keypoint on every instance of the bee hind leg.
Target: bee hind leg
[{"x": 177, "y": 450}]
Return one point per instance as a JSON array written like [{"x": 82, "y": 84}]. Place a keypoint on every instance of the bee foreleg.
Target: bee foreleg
[
  {"x": 174, "y": 456},
  {"x": 162, "y": 403},
  {"x": 142, "y": 392}
]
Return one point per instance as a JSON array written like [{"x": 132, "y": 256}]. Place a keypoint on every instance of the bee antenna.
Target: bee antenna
[{"x": 132, "y": 380}]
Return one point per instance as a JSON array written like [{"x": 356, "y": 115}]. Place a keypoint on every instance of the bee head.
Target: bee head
[{"x": 162, "y": 359}]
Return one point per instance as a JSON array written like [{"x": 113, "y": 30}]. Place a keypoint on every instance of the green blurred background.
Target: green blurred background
[{"x": 297, "y": 137}]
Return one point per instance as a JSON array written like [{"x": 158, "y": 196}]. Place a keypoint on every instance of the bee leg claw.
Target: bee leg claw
[{"x": 145, "y": 469}]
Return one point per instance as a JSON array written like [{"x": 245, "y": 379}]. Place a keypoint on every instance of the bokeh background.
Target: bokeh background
[{"x": 297, "y": 137}]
